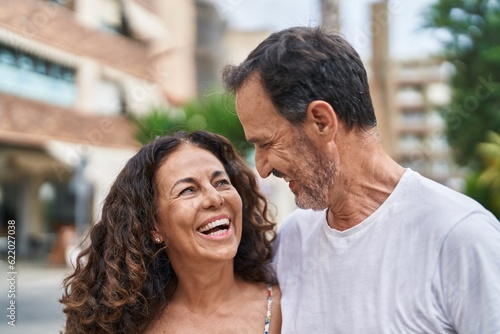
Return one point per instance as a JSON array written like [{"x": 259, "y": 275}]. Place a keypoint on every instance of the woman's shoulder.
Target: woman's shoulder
[{"x": 275, "y": 310}]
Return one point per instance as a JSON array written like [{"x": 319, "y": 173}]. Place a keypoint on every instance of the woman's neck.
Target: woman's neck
[{"x": 202, "y": 288}]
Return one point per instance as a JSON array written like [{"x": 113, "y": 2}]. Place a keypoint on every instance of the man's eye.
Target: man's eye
[{"x": 263, "y": 145}]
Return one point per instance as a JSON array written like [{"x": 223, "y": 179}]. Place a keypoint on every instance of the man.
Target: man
[{"x": 383, "y": 249}]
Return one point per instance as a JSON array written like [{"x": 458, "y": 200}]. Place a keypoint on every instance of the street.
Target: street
[{"x": 35, "y": 295}]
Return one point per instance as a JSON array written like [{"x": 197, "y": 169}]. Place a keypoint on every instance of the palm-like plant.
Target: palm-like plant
[
  {"x": 159, "y": 121},
  {"x": 490, "y": 177},
  {"x": 214, "y": 112}
]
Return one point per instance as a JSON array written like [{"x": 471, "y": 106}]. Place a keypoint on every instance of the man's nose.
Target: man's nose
[{"x": 262, "y": 163}]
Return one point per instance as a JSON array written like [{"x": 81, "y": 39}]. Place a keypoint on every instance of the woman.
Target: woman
[{"x": 182, "y": 247}]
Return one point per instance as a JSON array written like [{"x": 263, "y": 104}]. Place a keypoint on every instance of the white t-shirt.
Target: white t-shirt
[{"x": 426, "y": 261}]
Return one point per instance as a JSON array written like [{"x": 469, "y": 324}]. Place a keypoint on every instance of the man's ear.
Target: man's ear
[{"x": 321, "y": 121}]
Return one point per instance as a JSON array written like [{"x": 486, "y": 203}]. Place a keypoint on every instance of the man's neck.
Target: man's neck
[{"x": 363, "y": 183}]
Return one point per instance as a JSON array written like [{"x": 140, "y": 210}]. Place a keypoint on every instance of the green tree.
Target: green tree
[
  {"x": 157, "y": 122},
  {"x": 214, "y": 112},
  {"x": 472, "y": 45},
  {"x": 489, "y": 178},
  {"x": 477, "y": 190}
]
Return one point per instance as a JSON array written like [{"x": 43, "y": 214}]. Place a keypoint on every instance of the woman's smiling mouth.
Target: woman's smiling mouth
[{"x": 218, "y": 228}]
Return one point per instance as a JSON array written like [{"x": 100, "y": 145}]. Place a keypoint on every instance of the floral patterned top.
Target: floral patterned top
[{"x": 269, "y": 306}]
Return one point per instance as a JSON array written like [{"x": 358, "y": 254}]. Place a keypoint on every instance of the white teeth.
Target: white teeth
[
  {"x": 218, "y": 232},
  {"x": 287, "y": 179},
  {"x": 213, "y": 224}
]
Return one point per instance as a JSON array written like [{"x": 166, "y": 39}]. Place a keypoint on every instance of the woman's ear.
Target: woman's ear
[
  {"x": 321, "y": 121},
  {"x": 157, "y": 238}
]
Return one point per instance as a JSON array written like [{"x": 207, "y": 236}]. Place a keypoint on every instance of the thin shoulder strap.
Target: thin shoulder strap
[{"x": 269, "y": 307}]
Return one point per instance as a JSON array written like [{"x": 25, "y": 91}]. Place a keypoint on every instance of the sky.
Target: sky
[{"x": 407, "y": 38}]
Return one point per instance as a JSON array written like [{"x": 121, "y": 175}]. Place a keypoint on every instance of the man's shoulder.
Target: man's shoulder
[
  {"x": 431, "y": 197},
  {"x": 299, "y": 227},
  {"x": 433, "y": 209},
  {"x": 301, "y": 220},
  {"x": 298, "y": 233},
  {"x": 478, "y": 229}
]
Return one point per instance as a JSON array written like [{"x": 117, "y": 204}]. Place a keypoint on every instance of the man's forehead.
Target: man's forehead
[
  {"x": 253, "y": 86},
  {"x": 252, "y": 97}
]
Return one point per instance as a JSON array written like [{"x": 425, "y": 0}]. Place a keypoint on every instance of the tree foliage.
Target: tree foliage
[
  {"x": 478, "y": 190},
  {"x": 471, "y": 40},
  {"x": 489, "y": 178},
  {"x": 214, "y": 112}
]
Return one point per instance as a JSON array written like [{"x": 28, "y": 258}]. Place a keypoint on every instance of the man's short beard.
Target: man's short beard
[{"x": 316, "y": 175}]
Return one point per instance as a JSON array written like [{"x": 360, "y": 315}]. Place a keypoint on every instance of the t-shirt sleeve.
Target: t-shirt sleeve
[
  {"x": 286, "y": 231},
  {"x": 469, "y": 274}
]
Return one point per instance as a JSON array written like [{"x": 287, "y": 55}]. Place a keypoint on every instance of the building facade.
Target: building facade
[
  {"x": 73, "y": 71},
  {"x": 71, "y": 74},
  {"x": 420, "y": 88}
]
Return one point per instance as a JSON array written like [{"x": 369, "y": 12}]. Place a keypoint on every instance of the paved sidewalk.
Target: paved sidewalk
[{"x": 37, "y": 290}]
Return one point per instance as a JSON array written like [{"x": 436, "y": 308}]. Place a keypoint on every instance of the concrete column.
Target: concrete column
[
  {"x": 173, "y": 56},
  {"x": 33, "y": 207},
  {"x": 86, "y": 12},
  {"x": 87, "y": 79},
  {"x": 88, "y": 71},
  {"x": 330, "y": 15},
  {"x": 381, "y": 74},
  {"x": 22, "y": 219}
]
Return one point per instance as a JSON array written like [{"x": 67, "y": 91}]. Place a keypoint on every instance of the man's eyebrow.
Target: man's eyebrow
[{"x": 253, "y": 140}]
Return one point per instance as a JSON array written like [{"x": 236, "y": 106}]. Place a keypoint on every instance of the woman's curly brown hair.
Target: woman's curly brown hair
[{"x": 123, "y": 280}]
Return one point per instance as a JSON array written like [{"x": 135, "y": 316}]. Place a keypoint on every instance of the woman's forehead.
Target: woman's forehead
[{"x": 190, "y": 159}]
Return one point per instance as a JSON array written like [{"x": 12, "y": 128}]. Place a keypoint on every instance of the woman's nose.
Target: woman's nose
[{"x": 212, "y": 198}]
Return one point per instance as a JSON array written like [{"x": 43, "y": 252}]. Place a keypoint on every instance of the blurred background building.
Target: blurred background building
[
  {"x": 73, "y": 71},
  {"x": 70, "y": 74},
  {"x": 407, "y": 93},
  {"x": 421, "y": 86}
]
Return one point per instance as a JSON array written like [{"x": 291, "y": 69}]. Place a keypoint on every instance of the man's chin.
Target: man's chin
[{"x": 309, "y": 203}]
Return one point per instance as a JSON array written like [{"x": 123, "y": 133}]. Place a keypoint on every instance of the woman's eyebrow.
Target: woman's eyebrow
[
  {"x": 184, "y": 180},
  {"x": 215, "y": 174},
  {"x": 218, "y": 173}
]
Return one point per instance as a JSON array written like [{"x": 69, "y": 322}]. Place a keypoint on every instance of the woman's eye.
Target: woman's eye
[
  {"x": 223, "y": 182},
  {"x": 187, "y": 191}
]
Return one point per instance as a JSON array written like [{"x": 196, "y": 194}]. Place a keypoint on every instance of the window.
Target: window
[
  {"x": 409, "y": 142},
  {"x": 33, "y": 77},
  {"x": 110, "y": 12},
  {"x": 113, "y": 17},
  {"x": 413, "y": 117},
  {"x": 409, "y": 96},
  {"x": 110, "y": 98},
  {"x": 70, "y": 4}
]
